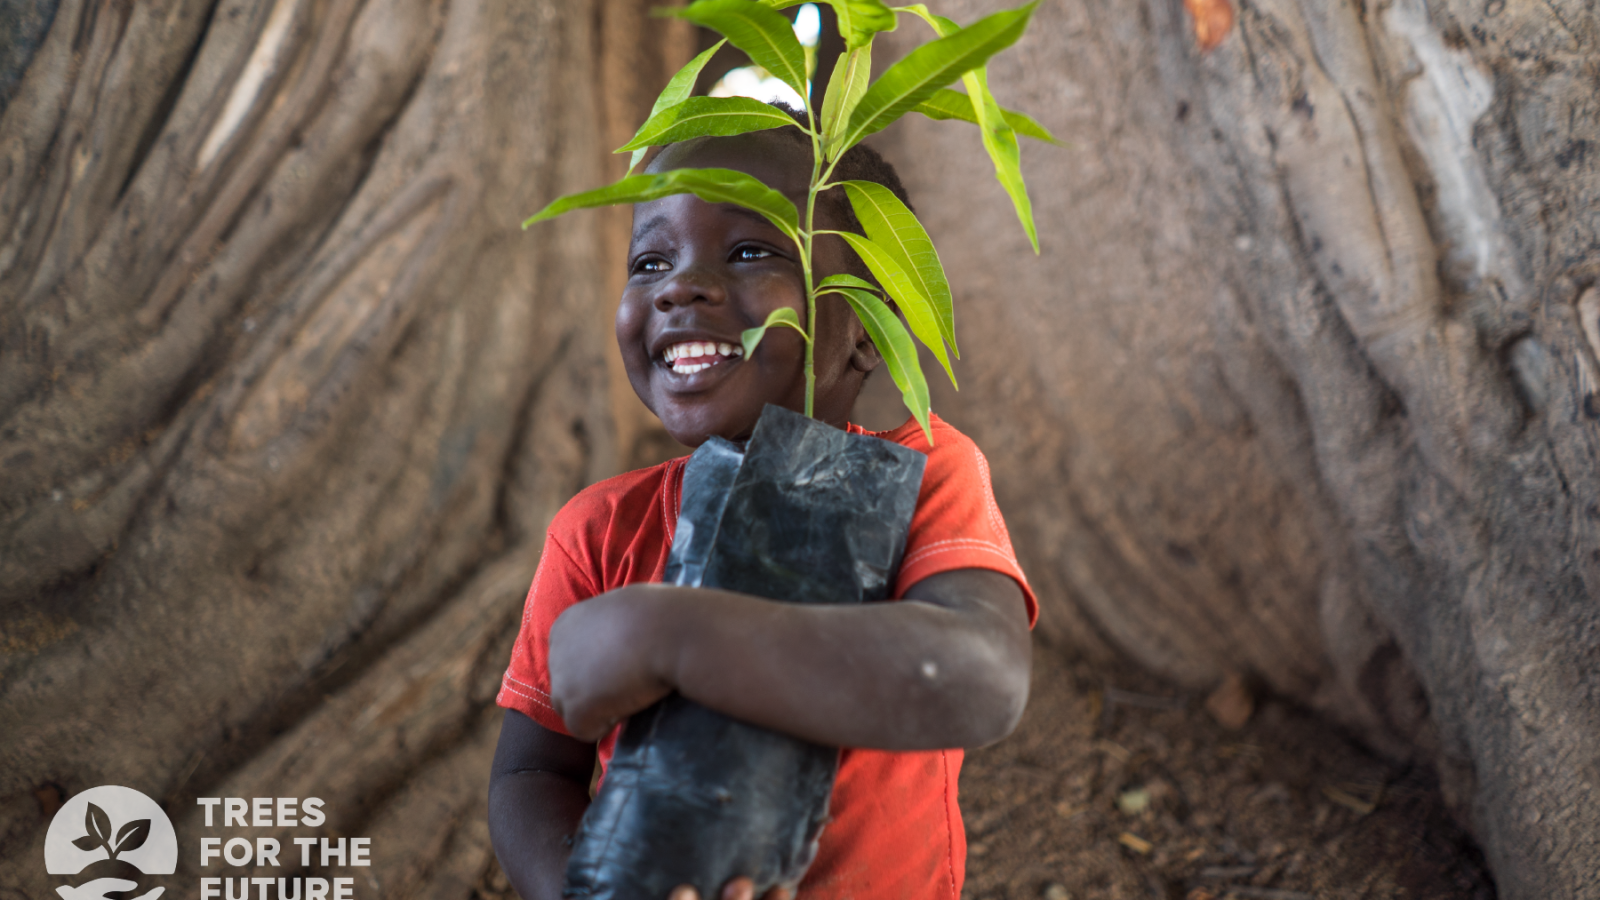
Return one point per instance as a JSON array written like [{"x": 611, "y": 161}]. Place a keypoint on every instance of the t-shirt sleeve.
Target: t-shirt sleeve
[
  {"x": 558, "y": 583},
  {"x": 957, "y": 524}
]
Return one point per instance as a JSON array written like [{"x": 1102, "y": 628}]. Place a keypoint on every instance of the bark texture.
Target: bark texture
[
  {"x": 1303, "y": 386},
  {"x": 1304, "y": 382},
  {"x": 288, "y": 398}
]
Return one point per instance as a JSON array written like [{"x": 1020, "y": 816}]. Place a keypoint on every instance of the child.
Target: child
[{"x": 946, "y": 667}]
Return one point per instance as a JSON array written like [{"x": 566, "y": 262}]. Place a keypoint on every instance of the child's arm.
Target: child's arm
[
  {"x": 538, "y": 789},
  {"x": 945, "y": 667}
]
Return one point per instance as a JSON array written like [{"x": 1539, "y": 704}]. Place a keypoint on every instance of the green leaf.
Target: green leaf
[
  {"x": 948, "y": 104},
  {"x": 932, "y": 66},
  {"x": 766, "y": 37},
  {"x": 1001, "y": 142},
  {"x": 851, "y": 74},
  {"x": 677, "y": 90},
  {"x": 710, "y": 185},
  {"x": 999, "y": 133},
  {"x": 845, "y": 279},
  {"x": 702, "y": 116},
  {"x": 859, "y": 20},
  {"x": 941, "y": 26},
  {"x": 894, "y": 227},
  {"x": 919, "y": 312},
  {"x": 783, "y": 315},
  {"x": 890, "y": 337}
]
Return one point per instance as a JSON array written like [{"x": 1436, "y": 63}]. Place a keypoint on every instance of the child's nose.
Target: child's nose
[{"x": 689, "y": 285}]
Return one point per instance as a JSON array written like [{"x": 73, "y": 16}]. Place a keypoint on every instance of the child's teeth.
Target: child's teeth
[{"x": 677, "y": 354}]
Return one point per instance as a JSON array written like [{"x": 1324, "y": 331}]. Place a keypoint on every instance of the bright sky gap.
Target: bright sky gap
[{"x": 754, "y": 81}]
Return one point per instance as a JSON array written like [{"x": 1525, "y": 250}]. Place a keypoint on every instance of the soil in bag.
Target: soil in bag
[{"x": 807, "y": 514}]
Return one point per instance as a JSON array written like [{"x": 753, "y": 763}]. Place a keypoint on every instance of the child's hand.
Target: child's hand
[
  {"x": 737, "y": 889},
  {"x": 603, "y": 660}
]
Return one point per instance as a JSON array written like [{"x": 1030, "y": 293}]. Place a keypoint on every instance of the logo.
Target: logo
[{"x": 108, "y": 840}]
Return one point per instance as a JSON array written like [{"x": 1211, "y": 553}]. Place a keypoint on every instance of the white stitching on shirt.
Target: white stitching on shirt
[
  {"x": 958, "y": 544},
  {"x": 532, "y": 687},
  {"x": 988, "y": 495},
  {"x": 983, "y": 546},
  {"x": 1012, "y": 567},
  {"x": 669, "y": 519},
  {"x": 507, "y": 687}
]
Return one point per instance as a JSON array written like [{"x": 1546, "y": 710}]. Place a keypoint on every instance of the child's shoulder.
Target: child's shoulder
[
  {"x": 631, "y": 496},
  {"x": 949, "y": 443},
  {"x": 637, "y": 498},
  {"x": 956, "y": 472}
]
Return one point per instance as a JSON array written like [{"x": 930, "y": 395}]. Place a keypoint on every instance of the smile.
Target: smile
[{"x": 690, "y": 357}]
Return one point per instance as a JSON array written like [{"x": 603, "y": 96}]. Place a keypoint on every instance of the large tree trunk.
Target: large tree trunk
[
  {"x": 1302, "y": 386},
  {"x": 288, "y": 398},
  {"x": 1304, "y": 381}
]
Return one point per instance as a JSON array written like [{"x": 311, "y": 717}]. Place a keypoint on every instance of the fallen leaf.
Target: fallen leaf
[
  {"x": 1135, "y": 843},
  {"x": 1118, "y": 752},
  {"x": 1212, "y": 19},
  {"x": 1133, "y": 802},
  {"x": 1350, "y": 801}
]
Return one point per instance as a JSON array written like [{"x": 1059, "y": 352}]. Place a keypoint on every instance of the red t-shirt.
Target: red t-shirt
[{"x": 894, "y": 829}]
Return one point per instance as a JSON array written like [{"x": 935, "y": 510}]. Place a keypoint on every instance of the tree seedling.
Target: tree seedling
[{"x": 895, "y": 247}]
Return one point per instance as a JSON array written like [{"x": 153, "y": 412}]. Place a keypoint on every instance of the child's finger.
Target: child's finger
[
  {"x": 684, "y": 892},
  {"x": 739, "y": 889}
]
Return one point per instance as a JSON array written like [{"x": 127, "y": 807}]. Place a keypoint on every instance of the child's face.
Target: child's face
[{"x": 701, "y": 273}]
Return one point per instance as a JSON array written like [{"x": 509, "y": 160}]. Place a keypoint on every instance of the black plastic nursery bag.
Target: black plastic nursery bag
[{"x": 808, "y": 514}]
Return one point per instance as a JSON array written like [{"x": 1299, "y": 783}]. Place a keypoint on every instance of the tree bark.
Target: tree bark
[
  {"x": 288, "y": 398},
  {"x": 1303, "y": 384}
]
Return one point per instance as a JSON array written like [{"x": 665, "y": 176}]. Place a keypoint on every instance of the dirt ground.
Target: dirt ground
[{"x": 1148, "y": 797}]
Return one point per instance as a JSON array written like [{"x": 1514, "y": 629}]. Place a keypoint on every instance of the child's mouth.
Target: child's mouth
[{"x": 690, "y": 357}]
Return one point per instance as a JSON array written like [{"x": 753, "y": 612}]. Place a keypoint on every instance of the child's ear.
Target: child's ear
[{"x": 865, "y": 357}]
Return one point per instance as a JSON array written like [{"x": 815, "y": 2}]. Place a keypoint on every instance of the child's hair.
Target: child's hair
[{"x": 859, "y": 163}]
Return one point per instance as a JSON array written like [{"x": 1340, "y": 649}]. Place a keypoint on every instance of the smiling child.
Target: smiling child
[{"x": 901, "y": 685}]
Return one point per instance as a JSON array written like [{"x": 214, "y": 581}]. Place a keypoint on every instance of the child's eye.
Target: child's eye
[
  {"x": 750, "y": 253},
  {"x": 648, "y": 265}
]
